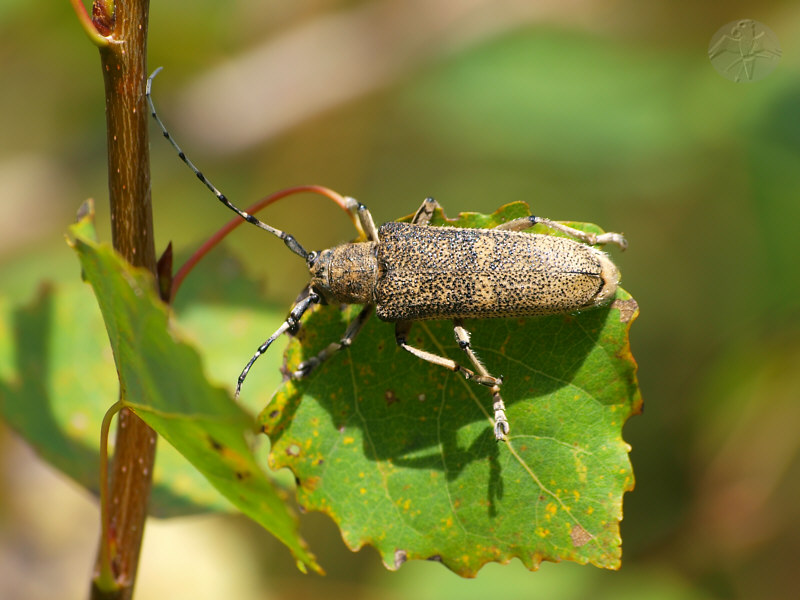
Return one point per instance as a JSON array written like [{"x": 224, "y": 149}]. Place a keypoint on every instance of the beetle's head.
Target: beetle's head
[{"x": 319, "y": 269}]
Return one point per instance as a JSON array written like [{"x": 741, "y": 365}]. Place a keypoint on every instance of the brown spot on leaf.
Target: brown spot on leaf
[
  {"x": 309, "y": 483},
  {"x": 400, "y": 556},
  {"x": 579, "y": 536},
  {"x": 435, "y": 558},
  {"x": 215, "y": 444},
  {"x": 293, "y": 450},
  {"x": 390, "y": 397},
  {"x": 627, "y": 308}
]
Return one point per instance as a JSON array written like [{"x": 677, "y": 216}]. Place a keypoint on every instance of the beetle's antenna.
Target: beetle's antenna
[{"x": 288, "y": 239}]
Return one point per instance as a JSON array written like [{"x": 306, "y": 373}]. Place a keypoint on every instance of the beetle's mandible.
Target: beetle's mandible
[{"x": 408, "y": 272}]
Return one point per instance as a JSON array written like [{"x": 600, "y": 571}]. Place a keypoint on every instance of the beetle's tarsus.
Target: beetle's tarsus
[
  {"x": 501, "y": 427},
  {"x": 304, "y": 368},
  {"x": 613, "y": 238}
]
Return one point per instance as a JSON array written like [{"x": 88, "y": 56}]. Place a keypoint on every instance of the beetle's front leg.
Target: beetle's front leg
[
  {"x": 290, "y": 324},
  {"x": 366, "y": 223}
]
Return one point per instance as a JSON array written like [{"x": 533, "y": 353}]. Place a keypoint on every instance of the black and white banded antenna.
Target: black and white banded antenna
[{"x": 288, "y": 239}]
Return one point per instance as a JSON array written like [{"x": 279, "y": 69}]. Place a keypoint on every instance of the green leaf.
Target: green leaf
[
  {"x": 401, "y": 453},
  {"x": 163, "y": 383},
  {"x": 62, "y": 382}
]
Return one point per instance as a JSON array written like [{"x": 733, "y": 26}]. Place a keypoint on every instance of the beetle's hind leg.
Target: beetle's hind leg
[
  {"x": 349, "y": 335},
  {"x": 501, "y": 427},
  {"x": 587, "y": 238},
  {"x": 402, "y": 329}
]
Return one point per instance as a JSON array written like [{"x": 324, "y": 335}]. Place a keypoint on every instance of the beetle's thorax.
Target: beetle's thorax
[{"x": 346, "y": 274}]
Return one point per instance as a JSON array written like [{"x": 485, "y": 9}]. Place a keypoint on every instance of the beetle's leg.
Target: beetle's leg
[
  {"x": 425, "y": 212},
  {"x": 501, "y": 427},
  {"x": 462, "y": 337},
  {"x": 586, "y": 237},
  {"x": 401, "y": 331},
  {"x": 290, "y": 324},
  {"x": 365, "y": 221},
  {"x": 352, "y": 331}
]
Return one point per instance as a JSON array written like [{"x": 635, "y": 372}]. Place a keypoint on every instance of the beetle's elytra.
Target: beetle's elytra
[
  {"x": 416, "y": 272},
  {"x": 408, "y": 272}
]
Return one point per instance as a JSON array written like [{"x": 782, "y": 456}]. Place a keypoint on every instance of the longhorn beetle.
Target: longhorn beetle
[{"x": 408, "y": 272}]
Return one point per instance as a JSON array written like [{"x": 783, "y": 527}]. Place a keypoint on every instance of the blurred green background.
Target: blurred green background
[{"x": 600, "y": 111}]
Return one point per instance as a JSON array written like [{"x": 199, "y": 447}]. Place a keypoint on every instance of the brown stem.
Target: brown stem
[{"x": 123, "y": 63}]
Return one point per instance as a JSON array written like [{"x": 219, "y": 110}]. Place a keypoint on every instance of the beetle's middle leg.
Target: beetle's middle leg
[
  {"x": 483, "y": 377},
  {"x": 352, "y": 331},
  {"x": 425, "y": 212}
]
